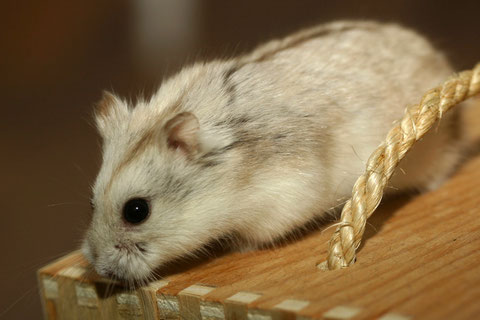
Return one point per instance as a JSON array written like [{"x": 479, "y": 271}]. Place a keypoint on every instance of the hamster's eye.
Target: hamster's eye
[{"x": 136, "y": 210}]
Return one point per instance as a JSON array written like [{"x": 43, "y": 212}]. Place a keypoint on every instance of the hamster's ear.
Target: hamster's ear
[
  {"x": 109, "y": 112},
  {"x": 182, "y": 133}
]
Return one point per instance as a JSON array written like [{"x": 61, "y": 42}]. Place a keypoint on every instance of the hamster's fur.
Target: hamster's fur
[{"x": 260, "y": 144}]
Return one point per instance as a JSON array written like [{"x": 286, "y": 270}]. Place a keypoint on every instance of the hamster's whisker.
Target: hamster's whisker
[
  {"x": 65, "y": 204},
  {"x": 79, "y": 169},
  {"x": 111, "y": 285},
  {"x": 16, "y": 301}
]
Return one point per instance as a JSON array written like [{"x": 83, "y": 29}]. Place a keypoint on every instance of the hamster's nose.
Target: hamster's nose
[{"x": 136, "y": 210}]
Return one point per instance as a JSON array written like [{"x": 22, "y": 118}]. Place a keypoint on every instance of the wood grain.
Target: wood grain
[{"x": 420, "y": 259}]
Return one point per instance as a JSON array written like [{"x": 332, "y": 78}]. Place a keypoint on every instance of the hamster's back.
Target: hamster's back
[
  {"x": 305, "y": 112},
  {"x": 332, "y": 91}
]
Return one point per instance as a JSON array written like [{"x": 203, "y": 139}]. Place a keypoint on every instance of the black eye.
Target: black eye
[{"x": 136, "y": 210}]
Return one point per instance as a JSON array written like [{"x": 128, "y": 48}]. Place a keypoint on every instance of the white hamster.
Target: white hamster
[{"x": 259, "y": 144}]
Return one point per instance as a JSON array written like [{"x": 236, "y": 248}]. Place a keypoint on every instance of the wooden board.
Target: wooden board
[{"x": 420, "y": 259}]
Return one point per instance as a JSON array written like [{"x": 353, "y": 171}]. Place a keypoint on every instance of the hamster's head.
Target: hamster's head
[{"x": 156, "y": 197}]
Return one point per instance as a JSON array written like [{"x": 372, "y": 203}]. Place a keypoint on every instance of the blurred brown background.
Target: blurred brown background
[{"x": 57, "y": 56}]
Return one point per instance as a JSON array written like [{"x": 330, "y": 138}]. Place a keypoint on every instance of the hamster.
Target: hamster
[{"x": 258, "y": 145}]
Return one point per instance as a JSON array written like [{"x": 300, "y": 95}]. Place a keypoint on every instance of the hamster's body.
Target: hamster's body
[{"x": 258, "y": 145}]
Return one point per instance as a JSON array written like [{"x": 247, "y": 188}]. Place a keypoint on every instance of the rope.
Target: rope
[{"x": 368, "y": 189}]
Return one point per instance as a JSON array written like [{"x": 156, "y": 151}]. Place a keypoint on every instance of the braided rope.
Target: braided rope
[{"x": 368, "y": 189}]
